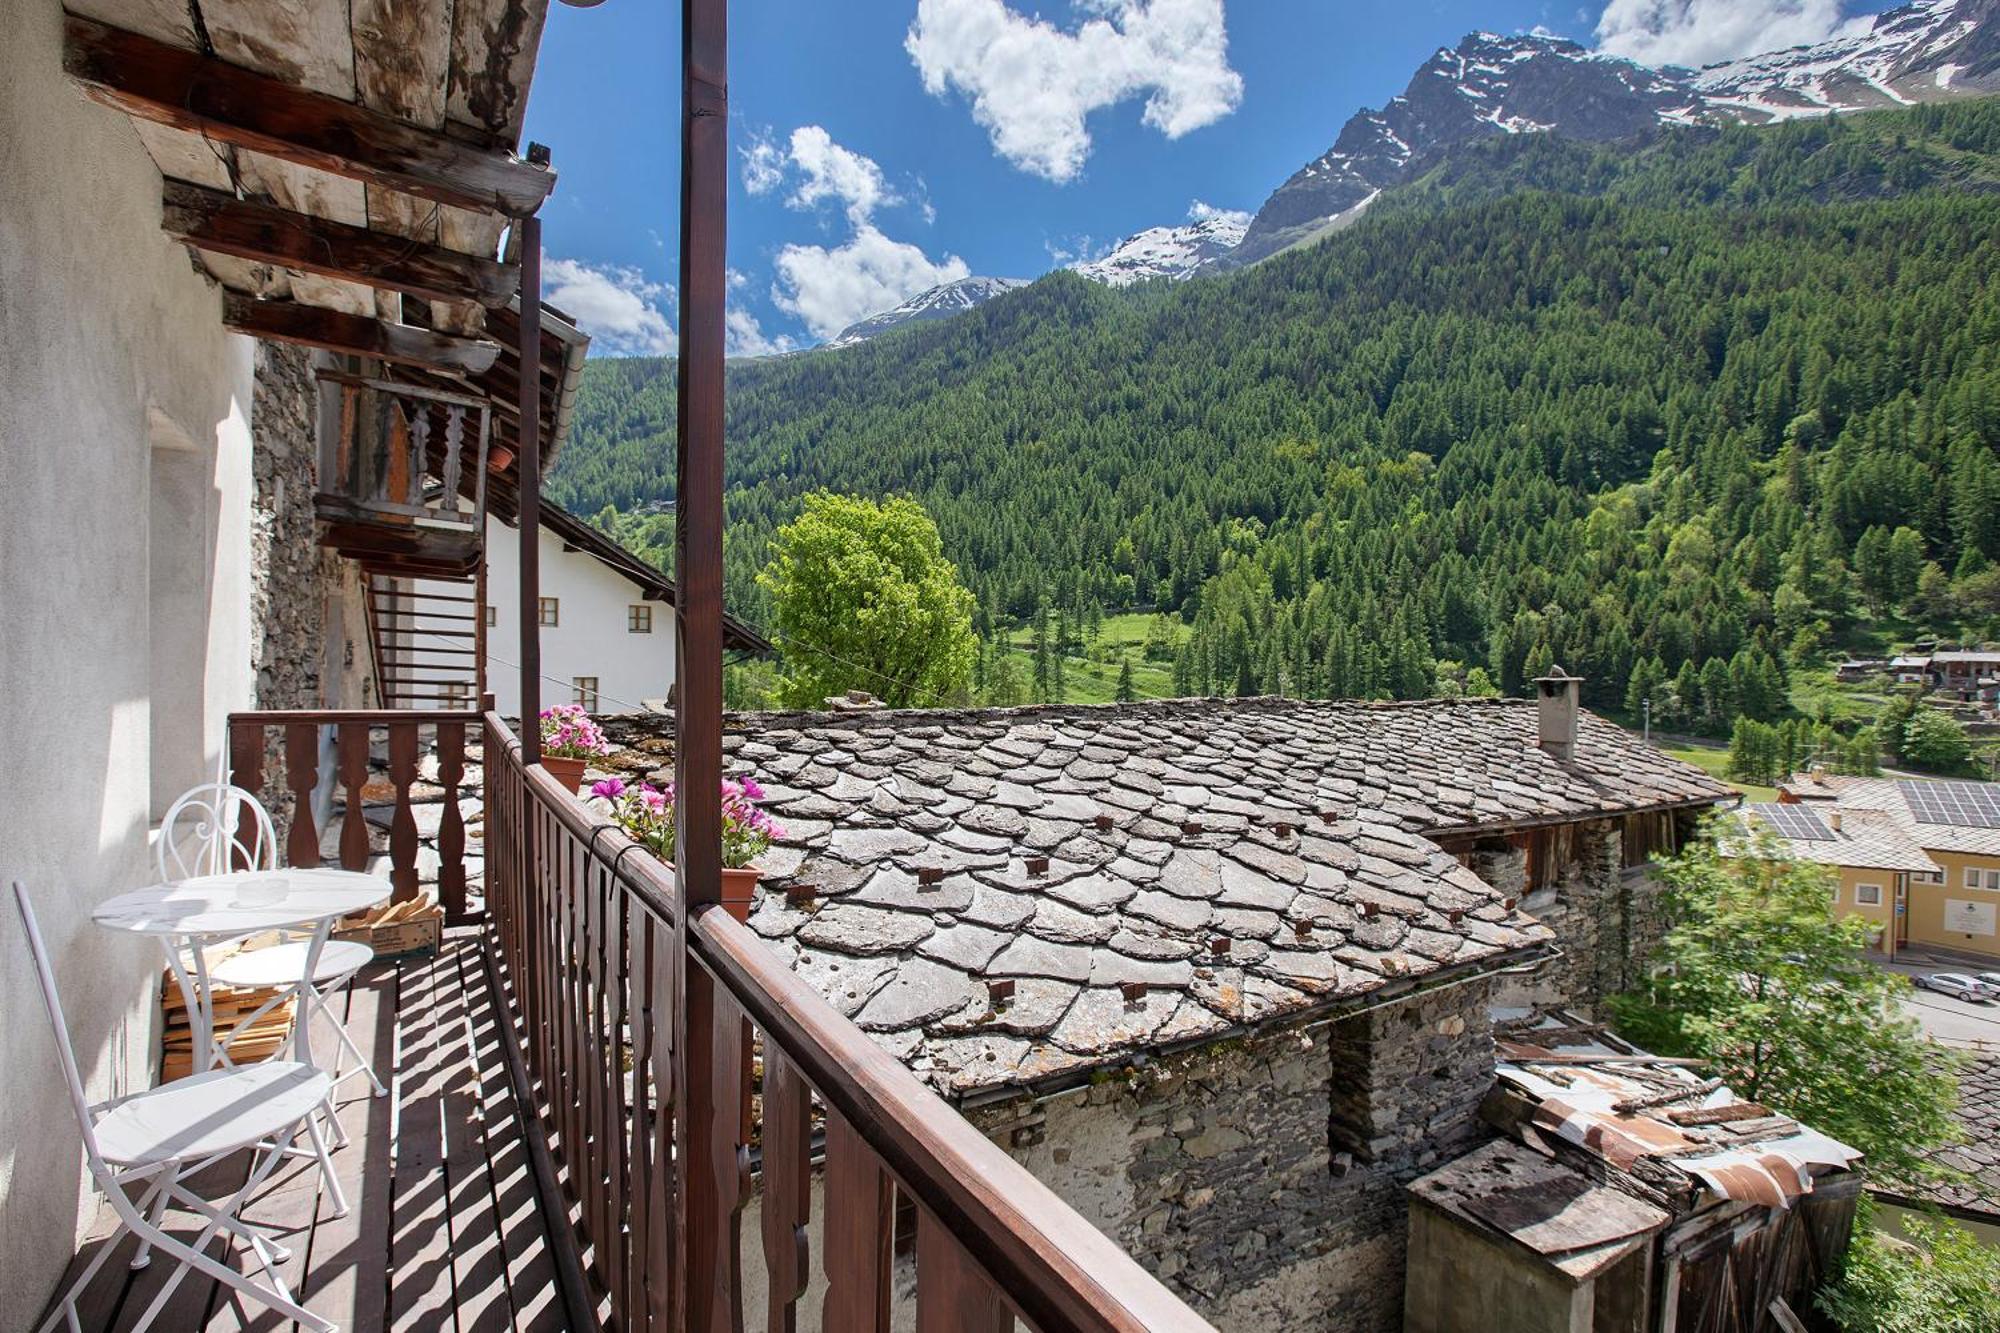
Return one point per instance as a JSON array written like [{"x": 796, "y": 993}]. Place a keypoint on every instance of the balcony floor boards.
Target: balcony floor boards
[{"x": 444, "y": 1230}]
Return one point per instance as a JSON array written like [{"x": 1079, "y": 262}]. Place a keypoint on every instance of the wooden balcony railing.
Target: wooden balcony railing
[
  {"x": 282, "y": 755},
  {"x": 646, "y": 1075}
]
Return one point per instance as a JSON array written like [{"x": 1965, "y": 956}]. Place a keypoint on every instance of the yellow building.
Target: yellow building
[
  {"x": 1955, "y": 905},
  {"x": 1877, "y": 864}
]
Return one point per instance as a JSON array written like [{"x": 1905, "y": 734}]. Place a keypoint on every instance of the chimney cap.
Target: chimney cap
[{"x": 1557, "y": 676}]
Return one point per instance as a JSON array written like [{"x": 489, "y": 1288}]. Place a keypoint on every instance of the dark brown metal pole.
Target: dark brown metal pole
[
  {"x": 530, "y": 465},
  {"x": 709, "y": 1124}
]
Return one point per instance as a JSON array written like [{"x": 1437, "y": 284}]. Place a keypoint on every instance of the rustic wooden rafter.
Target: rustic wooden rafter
[
  {"x": 264, "y": 233},
  {"x": 226, "y": 103},
  {"x": 356, "y": 335}
]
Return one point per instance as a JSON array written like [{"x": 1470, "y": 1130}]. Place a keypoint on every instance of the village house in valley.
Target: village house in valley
[
  {"x": 1873, "y": 857},
  {"x": 1947, "y": 834}
]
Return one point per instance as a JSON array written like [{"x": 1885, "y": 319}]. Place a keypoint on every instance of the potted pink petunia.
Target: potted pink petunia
[
  {"x": 646, "y": 813},
  {"x": 570, "y": 740}
]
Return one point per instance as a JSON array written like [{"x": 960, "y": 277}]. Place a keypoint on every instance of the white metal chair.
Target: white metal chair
[
  {"x": 159, "y": 1138},
  {"x": 214, "y": 844}
]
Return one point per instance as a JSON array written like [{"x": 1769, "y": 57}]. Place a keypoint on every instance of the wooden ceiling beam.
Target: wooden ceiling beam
[
  {"x": 267, "y": 234},
  {"x": 356, "y": 335},
  {"x": 184, "y": 89}
]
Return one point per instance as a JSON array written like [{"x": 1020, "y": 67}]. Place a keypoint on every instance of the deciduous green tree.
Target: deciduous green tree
[
  {"x": 1757, "y": 977},
  {"x": 1941, "y": 1280},
  {"x": 864, "y": 599}
]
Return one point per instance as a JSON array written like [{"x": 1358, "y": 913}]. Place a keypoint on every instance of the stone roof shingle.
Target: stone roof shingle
[{"x": 1147, "y": 875}]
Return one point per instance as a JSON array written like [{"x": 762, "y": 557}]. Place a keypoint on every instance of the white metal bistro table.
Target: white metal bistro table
[{"x": 210, "y": 909}]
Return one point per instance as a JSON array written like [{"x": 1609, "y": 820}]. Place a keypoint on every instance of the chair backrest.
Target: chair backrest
[
  {"x": 214, "y": 810},
  {"x": 45, "y": 973}
]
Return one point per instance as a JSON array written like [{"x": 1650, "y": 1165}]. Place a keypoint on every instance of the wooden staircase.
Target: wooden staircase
[{"x": 429, "y": 640}]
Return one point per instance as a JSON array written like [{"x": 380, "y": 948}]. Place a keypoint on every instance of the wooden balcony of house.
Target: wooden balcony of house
[{"x": 585, "y": 1090}]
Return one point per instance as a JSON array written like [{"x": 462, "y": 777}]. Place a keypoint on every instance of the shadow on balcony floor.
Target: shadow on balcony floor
[{"x": 444, "y": 1230}]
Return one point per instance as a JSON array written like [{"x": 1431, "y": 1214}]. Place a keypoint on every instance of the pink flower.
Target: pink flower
[{"x": 609, "y": 788}]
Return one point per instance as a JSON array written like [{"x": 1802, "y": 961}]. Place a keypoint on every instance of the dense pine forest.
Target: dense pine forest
[{"x": 1681, "y": 415}]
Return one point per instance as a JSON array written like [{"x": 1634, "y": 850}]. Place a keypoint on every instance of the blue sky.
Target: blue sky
[{"x": 881, "y": 146}]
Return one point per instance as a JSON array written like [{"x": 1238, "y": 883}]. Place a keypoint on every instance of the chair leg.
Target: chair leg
[
  {"x": 361, "y": 1062},
  {"x": 65, "y": 1309},
  {"x": 340, "y": 1138},
  {"x": 154, "y": 1206},
  {"x": 326, "y": 1165}
]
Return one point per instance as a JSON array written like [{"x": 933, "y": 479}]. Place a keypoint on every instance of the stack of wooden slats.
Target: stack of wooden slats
[
  {"x": 264, "y": 1038},
  {"x": 411, "y": 926}
]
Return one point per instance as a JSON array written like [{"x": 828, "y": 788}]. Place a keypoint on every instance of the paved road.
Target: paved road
[{"x": 1952, "y": 1021}]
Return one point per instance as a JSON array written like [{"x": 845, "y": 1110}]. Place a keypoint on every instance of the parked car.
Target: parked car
[
  {"x": 1990, "y": 980},
  {"x": 1959, "y": 985}
]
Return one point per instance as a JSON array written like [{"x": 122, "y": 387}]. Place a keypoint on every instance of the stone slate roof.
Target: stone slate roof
[
  {"x": 1153, "y": 874},
  {"x": 1978, "y": 1157}
]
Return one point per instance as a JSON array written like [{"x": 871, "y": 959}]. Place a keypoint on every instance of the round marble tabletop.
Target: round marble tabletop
[{"x": 223, "y": 905}]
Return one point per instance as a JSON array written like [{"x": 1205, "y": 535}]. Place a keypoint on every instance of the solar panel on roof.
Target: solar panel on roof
[
  {"x": 1794, "y": 821},
  {"x": 1965, "y": 804}
]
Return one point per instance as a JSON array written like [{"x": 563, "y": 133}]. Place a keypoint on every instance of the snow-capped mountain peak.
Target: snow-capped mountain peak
[
  {"x": 1496, "y": 84},
  {"x": 1167, "y": 252},
  {"x": 938, "y": 303}
]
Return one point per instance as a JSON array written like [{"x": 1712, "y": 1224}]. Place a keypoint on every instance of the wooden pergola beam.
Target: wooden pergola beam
[
  {"x": 264, "y": 233},
  {"x": 356, "y": 335},
  {"x": 229, "y": 104}
]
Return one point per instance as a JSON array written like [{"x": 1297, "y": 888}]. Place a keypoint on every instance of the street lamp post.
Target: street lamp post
[{"x": 1646, "y": 708}]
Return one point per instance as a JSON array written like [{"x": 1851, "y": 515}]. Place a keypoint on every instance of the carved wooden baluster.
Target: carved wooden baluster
[
  {"x": 663, "y": 1294},
  {"x": 451, "y": 832},
  {"x": 353, "y": 763},
  {"x": 953, "y": 1294},
  {"x": 787, "y": 1185},
  {"x": 386, "y": 449},
  {"x": 454, "y": 443},
  {"x": 718, "y": 1158},
  {"x": 420, "y": 439},
  {"x": 246, "y": 770},
  {"x": 403, "y": 826},
  {"x": 860, "y": 1220},
  {"x": 345, "y": 474},
  {"x": 301, "y": 776}
]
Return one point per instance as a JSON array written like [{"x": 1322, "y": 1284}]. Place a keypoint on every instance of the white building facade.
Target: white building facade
[
  {"x": 125, "y": 573},
  {"x": 607, "y": 637}
]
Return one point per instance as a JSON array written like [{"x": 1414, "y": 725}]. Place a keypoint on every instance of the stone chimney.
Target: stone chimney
[{"x": 1560, "y": 695}]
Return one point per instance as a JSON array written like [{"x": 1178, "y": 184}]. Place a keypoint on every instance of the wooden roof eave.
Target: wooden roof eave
[{"x": 183, "y": 89}]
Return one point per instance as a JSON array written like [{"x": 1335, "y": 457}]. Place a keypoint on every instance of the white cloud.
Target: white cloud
[
  {"x": 1032, "y": 85},
  {"x": 830, "y": 288},
  {"x": 744, "y": 336},
  {"x": 1701, "y": 32},
  {"x": 822, "y": 169},
  {"x": 833, "y": 172},
  {"x": 1201, "y": 212},
  {"x": 617, "y": 306},
  {"x": 763, "y": 164}
]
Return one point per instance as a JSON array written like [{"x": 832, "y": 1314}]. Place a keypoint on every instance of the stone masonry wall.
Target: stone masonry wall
[
  {"x": 1231, "y": 1171},
  {"x": 287, "y": 601},
  {"x": 1606, "y": 920}
]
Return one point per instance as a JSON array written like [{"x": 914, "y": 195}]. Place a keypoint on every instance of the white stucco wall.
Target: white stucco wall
[
  {"x": 124, "y": 434},
  {"x": 591, "y": 637}
]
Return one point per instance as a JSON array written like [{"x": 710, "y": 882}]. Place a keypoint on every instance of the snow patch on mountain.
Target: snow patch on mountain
[
  {"x": 1168, "y": 252},
  {"x": 940, "y": 302}
]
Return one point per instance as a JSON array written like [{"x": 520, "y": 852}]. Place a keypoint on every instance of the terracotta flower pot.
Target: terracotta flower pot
[
  {"x": 499, "y": 458},
  {"x": 739, "y": 886},
  {"x": 569, "y": 772}
]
